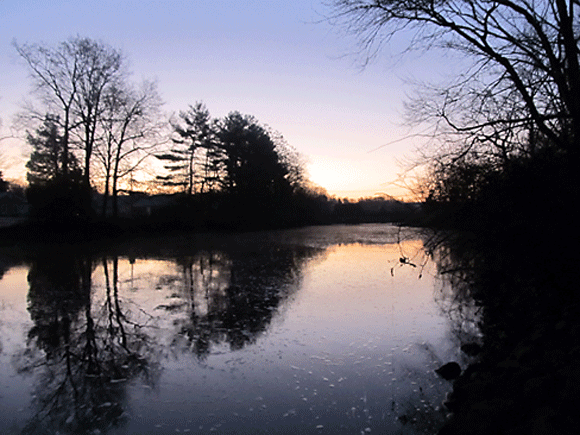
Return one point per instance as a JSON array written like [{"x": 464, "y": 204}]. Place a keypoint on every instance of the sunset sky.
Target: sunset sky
[{"x": 279, "y": 61}]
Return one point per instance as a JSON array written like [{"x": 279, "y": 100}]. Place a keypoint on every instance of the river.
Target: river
[{"x": 332, "y": 330}]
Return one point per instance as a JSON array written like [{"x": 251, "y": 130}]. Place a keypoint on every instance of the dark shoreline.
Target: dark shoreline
[
  {"x": 78, "y": 232},
  {"x": 526, "y": 379}
]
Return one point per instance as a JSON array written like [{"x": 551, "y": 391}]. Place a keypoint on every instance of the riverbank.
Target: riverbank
[
  {"x": 30, "y": 232},
  {"x": 527, "y": 378}
]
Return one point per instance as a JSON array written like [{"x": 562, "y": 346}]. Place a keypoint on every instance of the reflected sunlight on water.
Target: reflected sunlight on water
[{"x": 313, "y": 330}]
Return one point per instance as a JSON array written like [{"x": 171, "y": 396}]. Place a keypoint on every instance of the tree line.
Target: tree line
[
  {"x": 96, "y": 130},
  {"x": 231, "y": 169},
  {"x": 91, "y": 129}
]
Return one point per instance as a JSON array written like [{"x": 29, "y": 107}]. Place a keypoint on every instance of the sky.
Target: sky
[{"x": 280, "y": 61}]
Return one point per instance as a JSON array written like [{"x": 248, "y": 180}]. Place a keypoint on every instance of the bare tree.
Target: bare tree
[
  {"x": 293, "y": 161},
  {"x": 524, "y": 79},
  {"x": 102, "y": 73},
  {"x": 71, "y": 81},
  {"x": 55, "y": 73},
  {"x": 129, "y": 127}
]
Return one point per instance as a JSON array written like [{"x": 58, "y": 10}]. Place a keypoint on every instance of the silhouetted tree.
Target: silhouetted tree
[
  {"x": 129, "y": 125},
  {"x": 252, "y": 165},
  {"x": 194, "y": 158},
  {"x": 48, "y": 160},
  {"x": 292, "y": 161},
  {"x": 517, "y": 105},
  {"x": 525, "y": 72},
  {"x": 234, "y": 170},
  {"x": 54, "y": 176},
  {"x": 101, "y": 71},
  {"x": 58, "y": 90},
  {"x": 4, "y": 185},
  {"x": 255, "y": 177},
  {"x": 72, "y": 80}
]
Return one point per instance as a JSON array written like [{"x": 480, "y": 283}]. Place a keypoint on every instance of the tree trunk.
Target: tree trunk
[
  {"x": 106, "y": 195},
  {"x": 115, "y": 211}
]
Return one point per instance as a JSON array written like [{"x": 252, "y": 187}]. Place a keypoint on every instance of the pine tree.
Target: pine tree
[
  {"x": 191, "y": 162},
  {"x": 48, "y": 160},
  {"x": 252, "y": 164},
  {"x": 55, "y": 190}
]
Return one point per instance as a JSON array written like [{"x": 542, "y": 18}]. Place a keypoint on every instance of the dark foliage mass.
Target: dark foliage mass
[
  {"x": 55, "y": 189},
  {"x": 523, "y": 376},
  {"x": 3, "y": 183},
  {"x": 231, "y": 173},
  {"x": 230, "y": 170},
  {"x": 526, "y": 195}
]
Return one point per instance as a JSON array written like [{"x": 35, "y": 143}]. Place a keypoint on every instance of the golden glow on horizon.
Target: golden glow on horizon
[
  {"x": 332, "y": 174},
  {"x": 353, "y": 177},
  {"x": 344, "y": 179}
]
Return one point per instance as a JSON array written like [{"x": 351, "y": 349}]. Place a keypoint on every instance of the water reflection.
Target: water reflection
[
  {"x": 82, "y": 353},
  {"x": 456, "y": 293},
  {"x": 307, "y": 330},
  {"x": 87, "y": 345},
  {"x": 229, "y": 297}
]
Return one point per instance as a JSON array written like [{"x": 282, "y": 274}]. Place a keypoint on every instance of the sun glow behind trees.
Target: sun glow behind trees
[
  {"x": 97, "y": 129},
  {"x": 109, "y": 128}
]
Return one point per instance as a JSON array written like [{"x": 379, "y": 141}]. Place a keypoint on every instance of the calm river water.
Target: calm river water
[{"x": 319, "y": 330}]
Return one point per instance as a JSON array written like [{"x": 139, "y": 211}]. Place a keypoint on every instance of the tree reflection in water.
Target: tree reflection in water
[
  {"x": 456, "y": 294},
  {"x": 89, "y": 341},
  {"x": 84, "y": 356},
  {"x": 104, "y": 324},
  {"x": 455, "y": 298},
  {"x": 230, "y": 298}
]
